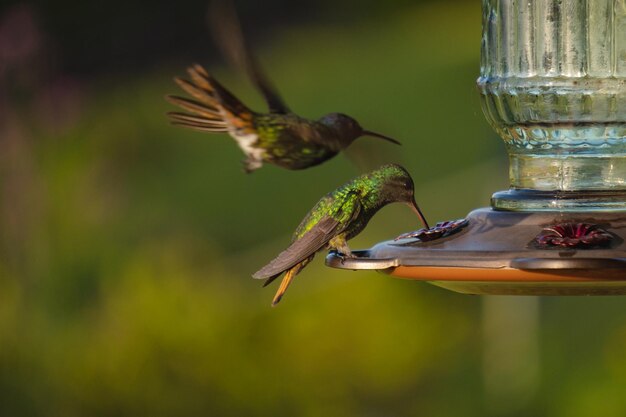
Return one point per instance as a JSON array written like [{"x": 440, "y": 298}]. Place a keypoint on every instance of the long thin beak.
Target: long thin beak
[
  {"x": 378, "y": 135},
  {"x": 417, "y": 211}
]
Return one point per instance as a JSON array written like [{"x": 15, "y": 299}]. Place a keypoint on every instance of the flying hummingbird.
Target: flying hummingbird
[
  {"x": 338, "y": 217},
  {"x": 279, "y": 137}
]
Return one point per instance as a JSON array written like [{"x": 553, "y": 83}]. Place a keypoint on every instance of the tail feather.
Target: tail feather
[
  {"x": 200, "y": 127},
  {"x": 198, "y": 69},
  {"x": 184, "y": 117},
  {"x": 194, "y": 91},
  {"x": 285, "y": 284},
  {"x": 289, "y": 274},
  {"x": 226, "y": 99},
  {"x": 213, "y": 108},
  {"x": 200, "y": 77},
  {"x": 196, "y": 107}
]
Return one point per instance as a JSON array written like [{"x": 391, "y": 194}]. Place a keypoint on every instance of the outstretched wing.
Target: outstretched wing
[
  {"x": 229, "y": 38},
  {"x": 213, "y": 108},
  {"x": 315, "y": 235}
]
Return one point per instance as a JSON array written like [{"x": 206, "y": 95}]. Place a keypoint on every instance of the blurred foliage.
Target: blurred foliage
[{"x": 127, "y": 245}]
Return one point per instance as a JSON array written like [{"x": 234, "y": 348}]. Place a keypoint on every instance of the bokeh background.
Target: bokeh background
[{"x": 127, "y": 245}]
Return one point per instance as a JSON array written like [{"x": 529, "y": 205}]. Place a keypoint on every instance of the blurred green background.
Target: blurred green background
[{"x": 127, "y": 245}]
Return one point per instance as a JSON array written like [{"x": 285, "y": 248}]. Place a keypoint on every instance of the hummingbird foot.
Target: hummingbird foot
[
  {"x": 342, "y": 256},
  {"x": 339, "y": 245}
]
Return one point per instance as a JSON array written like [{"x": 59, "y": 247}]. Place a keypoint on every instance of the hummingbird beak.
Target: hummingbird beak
[
  {"x": 378, "y": 135},
  {"x": 417, "y": 211}
]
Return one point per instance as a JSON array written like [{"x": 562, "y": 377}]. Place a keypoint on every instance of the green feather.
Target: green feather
[{"x": 364, "y": 191}]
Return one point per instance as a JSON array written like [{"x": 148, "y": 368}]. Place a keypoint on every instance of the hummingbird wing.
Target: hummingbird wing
[
  {"x": 316, "y": 236},
  {"x": 300, "y": 249},
  {"x": 229, "y": 38},
  {"x": 213, "y": 108}
]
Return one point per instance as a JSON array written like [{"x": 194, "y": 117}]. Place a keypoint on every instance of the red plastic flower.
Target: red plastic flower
[
  {"x": 441, "y": 229},
  {"x": 573, "y": 235}
]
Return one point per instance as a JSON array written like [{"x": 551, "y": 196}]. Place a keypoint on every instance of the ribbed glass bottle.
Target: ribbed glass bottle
[{"x": 553, "y": 85}]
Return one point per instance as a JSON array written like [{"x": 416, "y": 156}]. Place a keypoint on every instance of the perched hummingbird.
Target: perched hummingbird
[
  {"x": 279, "y": 137},
  {"x": 338, "y": 217}
]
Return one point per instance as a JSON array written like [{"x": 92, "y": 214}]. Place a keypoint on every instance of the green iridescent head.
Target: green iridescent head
[
  {"x": 396, "y": 185},
  {"x": 395, "y": 182}
]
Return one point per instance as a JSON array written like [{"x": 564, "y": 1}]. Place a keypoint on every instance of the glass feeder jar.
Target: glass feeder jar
[{"x": 553, "y": 85}]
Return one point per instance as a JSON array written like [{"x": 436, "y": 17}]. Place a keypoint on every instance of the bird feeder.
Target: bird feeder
[{"x": 553, "y": 85}]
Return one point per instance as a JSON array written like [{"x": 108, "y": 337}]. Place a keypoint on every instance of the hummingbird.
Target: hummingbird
[
  {"x": 338, "y": 217},
  {"x": 278, "y": 137}
]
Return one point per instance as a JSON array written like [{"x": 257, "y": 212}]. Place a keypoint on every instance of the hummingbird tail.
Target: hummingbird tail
[
  {"x": 285, "y": 284},
  {"x": 212, "y": 109},
  {"x": 291, "y": 272}
]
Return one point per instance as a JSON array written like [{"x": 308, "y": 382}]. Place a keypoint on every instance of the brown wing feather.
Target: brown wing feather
[
  {"x": 231, "y": 41},
  {"x": 195, "y": 91},
  {"x": 312, "y": 241}
]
